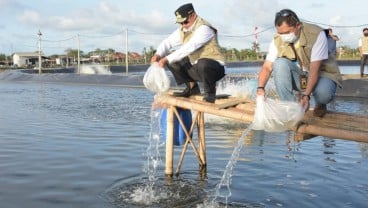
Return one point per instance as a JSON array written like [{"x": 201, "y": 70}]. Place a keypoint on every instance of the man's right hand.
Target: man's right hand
[
  {"x": 163, "y": 62},
  {"x": 261, "y": 92}
]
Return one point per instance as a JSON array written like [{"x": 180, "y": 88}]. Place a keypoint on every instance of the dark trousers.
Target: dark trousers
[
  {"x": 206, "y": 70},
  {"x": 363, "y": 61}
]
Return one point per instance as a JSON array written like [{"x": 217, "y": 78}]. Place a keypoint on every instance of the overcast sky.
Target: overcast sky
[{"x": 103, "y": 23}]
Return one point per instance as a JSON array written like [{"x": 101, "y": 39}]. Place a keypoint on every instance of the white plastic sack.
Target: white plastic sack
[
  {"x": 155, "y": 79},
  {"x": 275, "y": 115}
]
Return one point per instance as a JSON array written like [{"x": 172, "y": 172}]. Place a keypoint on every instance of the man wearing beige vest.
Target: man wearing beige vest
[
  {"x": 363, "y": 50},
  {"x": 199, "y": 57},
  {"x": 298, "y": 57}
]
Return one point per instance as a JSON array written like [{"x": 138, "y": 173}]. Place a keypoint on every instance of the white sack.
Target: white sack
[
  {"x": 275, "y": 115},
  {"x": 155, "y": 79}
]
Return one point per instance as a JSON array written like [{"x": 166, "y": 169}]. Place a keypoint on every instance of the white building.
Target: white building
[{"x": 25, "y": 59}]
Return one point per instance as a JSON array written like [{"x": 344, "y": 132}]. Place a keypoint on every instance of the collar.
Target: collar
[{"x": 302, "y": 39}]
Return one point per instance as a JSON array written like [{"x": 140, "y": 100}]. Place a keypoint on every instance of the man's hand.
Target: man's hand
[
  {"x": 155, "y": 58},
  {"x": 162, "y": 62},
  {"x": 260, "y": 91},
  {"x": 304, "y": 101}
]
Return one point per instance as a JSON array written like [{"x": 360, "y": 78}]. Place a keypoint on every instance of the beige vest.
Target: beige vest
[
  {"x": 365, "y": 45},
  {"x": 308, "y": 36},
  {"x": 209, "y": 50}
]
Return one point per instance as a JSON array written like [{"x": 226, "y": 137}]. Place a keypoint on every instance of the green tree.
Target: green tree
[
  {"x": 150, "y": 52},
  {"x": 255, "y": 47},
  {"x": 248, "y": 54},
  {"x": 73, "y": 52},
  {"x": 345, "y": 52},
  {"x": 2, "y": 57}
]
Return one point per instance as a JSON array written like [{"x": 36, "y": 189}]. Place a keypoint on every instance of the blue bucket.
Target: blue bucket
[{"x": 179, "y": 134}]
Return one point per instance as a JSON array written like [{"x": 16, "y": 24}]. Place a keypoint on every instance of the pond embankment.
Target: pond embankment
[{"x": 353, "y": 84}]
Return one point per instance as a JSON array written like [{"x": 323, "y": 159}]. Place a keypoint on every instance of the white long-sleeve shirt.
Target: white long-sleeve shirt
[{"x": 201, "y": 36}]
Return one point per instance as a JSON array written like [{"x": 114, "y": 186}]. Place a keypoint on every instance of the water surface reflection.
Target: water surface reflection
[{"x": 85, "y": 146}]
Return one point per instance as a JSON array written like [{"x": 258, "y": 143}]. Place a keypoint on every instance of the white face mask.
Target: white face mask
[{"x": 289, "y": 38}]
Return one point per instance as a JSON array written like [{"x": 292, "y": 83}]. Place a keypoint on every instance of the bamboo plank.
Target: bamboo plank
[
  {"x": 205, "y": 107},
  {"x": 231, "y": 103}
]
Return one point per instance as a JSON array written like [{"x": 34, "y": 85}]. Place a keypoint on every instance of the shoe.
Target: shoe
[
  {"x": 187, "y": 92},
  {"x": 320, "y": 110},
  {"x": 361, "y": 75},
  {"x": 209, "y": 97},
  {"x": 209, "y": 92}
]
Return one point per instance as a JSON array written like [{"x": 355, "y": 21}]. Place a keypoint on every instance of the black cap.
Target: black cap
[{"x": 183, "y": 12}]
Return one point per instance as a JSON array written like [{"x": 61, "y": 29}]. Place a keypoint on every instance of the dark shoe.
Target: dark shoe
[
  {"x": 320, "y": 110},
  {"x": 209, "y": 97},
  {"x": 209, "y": 92},
  {"x": 188, "y": 91}
]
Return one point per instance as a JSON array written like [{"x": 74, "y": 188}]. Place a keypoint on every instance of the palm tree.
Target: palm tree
[{"x": 255, "y": 46}]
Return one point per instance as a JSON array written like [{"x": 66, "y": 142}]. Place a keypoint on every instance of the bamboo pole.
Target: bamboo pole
[
  {"x": 187, "y": 135},
  {"x": 333, "y": 132},
  {"x": 184, "y": 149},
  {"x": 202, "y": 140},
  {"x": 169, "y": 141},
  {"x": 335, "y": 125}
]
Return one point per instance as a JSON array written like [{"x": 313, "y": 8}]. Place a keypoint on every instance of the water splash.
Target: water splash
[
  {"x": 95, "y": 69},
  {"x": 223, "y": 189},
  {"x": 238, "y": 87},
  {"x": 244, "y": 86},
  {"x": 153, "y": 152},
  {"x": 147, "y": 194}
]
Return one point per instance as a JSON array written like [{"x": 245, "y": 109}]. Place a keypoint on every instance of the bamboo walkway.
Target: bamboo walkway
[{"x": 346, "y": 126}]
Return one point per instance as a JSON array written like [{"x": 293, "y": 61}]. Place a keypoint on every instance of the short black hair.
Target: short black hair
[
  {"x": 288, "y": 16},
  {"x": 366, "y": 28}
]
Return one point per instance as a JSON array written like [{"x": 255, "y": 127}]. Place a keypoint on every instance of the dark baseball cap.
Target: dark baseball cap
[{"x": 183, "y": 12}]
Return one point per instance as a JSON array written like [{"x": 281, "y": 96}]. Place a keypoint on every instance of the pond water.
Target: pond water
[{"x": 66, "y": 145}]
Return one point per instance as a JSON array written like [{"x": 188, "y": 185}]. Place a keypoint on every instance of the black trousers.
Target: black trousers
[
  {"x": 207, "y": 71},
  {"x": 363, "y": 61}
]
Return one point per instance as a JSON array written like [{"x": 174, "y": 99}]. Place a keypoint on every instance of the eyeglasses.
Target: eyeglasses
[
  {"x": 283, "y": 14},
  {"x": 286, "y": 13},
  {"x": 185, "y": 22},
  {"x": 190, "y": 14}
]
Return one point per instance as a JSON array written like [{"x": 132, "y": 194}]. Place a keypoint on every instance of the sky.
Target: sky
[{"x": 137, "y": 24}]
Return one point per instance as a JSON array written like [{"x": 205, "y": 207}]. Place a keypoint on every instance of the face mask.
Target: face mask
[
  {"x": 289, "y": 38},
  {"x": 365, "y": 34}
]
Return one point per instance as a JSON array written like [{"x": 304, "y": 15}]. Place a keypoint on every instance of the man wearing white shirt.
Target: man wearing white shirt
[
  {"x": 198, "y": 59},
  {"x": 298, "y": 58}
]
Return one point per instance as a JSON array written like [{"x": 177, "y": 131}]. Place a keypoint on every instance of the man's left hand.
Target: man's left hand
[{"x": 155, "y": 58}]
